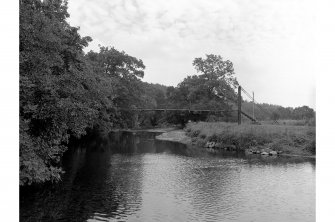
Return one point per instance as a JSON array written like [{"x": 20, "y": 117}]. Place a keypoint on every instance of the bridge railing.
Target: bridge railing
[{"x": 239, "y": 110}]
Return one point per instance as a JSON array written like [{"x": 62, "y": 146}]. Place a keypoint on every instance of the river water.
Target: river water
[{"x": 133, "y": 177}]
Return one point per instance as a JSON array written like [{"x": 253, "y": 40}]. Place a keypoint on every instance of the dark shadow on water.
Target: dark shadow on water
[{"x": 97, "y": 169}]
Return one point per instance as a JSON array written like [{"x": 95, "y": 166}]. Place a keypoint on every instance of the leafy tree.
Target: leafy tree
[
  {"x": 64, "y": 92},
  {"x": 154, "y": 96},
  {"x": 124, "y": 69},
  {"x": 214, "y": 87},
  {"x": 124, "y": 73},
  {"x": 303, "y": 112},
  {"x": 58, "y": 98},
  {"x": 214, "y": 68},
  {"x": 284, "y": 113}
]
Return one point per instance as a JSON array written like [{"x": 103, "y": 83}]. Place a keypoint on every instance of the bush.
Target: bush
[{"x": 214, "y": 138}]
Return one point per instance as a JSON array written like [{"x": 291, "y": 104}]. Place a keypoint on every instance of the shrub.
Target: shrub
[{"x": 214, "y": 138}]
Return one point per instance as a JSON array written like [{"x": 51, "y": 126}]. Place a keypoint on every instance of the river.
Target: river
[{"x": 133, "y": 177}]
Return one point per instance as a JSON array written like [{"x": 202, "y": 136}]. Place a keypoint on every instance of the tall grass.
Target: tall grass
[
  {"x": 292, "y": 122},
  {"x": 287, "y": 138}
]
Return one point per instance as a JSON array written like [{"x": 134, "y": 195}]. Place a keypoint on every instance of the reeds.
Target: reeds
[{"x": 287, "y": 138}]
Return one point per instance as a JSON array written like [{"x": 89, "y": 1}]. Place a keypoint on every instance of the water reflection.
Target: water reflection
[{"x": 132, "y": 177}]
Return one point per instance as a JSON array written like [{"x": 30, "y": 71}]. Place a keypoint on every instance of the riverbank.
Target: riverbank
[
  {"x": 253, "y": 139},
  {"x": 152, "y": 130},
  {"x": 175, "y": 136}
]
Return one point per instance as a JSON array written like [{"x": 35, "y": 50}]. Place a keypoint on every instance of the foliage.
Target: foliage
[
  {"x": 64, "y": 92},
  {"x": 303, "y": 112},
  {"x": 214, "y": 87},
  {"x": 153, "y": 96},
  {"x": 122, "y": 74},
  {"x": 278, "y": 112},
  {"x": 52, "y": 79},
  {"x": 124, "y": 69}
]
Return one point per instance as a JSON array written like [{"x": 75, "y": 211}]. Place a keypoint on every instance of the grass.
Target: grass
[
  {"x": 291, "y": 122},
  {"x": 289, "y": 139}
]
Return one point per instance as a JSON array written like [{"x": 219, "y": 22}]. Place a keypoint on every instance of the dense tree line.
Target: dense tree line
[
  {"x": 266, "y": 111},
  {"x": 65, "y": 92},
  {"x": 214, "y": 88}
]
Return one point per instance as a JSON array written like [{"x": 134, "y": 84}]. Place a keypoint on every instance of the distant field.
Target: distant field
[
  {"x": 292, "y": 122},
  {"x": 287, "y": 138}
]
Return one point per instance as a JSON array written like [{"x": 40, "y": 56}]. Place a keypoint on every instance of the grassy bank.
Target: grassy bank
[
  {"x": 288, "y": 139},
  {"x": 175, "y": 136}
]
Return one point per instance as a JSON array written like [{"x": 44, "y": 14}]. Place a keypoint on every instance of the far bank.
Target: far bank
[{"x": 253, "y": 139}]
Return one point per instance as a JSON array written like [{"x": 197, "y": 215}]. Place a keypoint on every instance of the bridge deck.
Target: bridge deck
[{"x": 190, "y": 110}]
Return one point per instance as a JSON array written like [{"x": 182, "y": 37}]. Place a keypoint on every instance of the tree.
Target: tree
[
  {"x": 213, "y": 89},
  {"x": 214, "y": 68},
  {"x": 56, "y": 101},
  {"x": 124, "y": 69},
  {"x": 124, "y": 73},
  {"x": 303, "y": 112}
]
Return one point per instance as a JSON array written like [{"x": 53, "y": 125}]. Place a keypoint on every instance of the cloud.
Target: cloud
[{"x": 269, "y": 42}]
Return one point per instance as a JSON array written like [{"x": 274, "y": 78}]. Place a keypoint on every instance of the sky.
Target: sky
[{"x": 270, "y": 42}]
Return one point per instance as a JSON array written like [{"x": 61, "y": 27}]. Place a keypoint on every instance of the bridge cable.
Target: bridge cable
[{"x": 260, "y": 107}]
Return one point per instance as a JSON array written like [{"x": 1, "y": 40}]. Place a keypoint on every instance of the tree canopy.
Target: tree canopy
[
  {"x": 64, "y": 92},
  {"x": 52, "y": 76},
  {"x": 213, "y": 88}
]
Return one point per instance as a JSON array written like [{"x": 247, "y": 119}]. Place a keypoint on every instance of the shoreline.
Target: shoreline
[
  {"x": 151, "y": 130},
  {"x": 175, "y": 136},
  {"x": 180, "y": 136}
]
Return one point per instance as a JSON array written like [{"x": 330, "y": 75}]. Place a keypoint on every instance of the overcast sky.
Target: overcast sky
[{"x": 270, "y": 42}]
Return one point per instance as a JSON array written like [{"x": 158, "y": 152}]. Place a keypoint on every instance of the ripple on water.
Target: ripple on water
[{"x": 160, "y": 183}]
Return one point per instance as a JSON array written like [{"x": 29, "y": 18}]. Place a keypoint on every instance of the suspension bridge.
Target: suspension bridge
[{"x": 238, "y": 102}]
